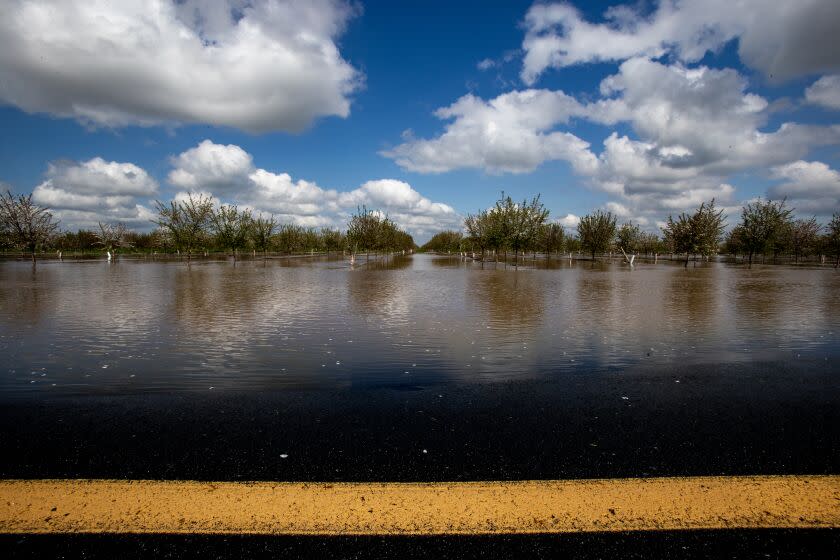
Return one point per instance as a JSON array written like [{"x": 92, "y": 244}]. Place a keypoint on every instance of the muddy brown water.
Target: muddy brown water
[{"x": 135, "y": 325}]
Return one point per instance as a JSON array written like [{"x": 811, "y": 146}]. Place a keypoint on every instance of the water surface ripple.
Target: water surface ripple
[{"x": 78, "y": 327}]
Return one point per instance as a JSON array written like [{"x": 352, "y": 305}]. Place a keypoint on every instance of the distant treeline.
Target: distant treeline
[
  {"x": 196, "y": 225},
  {"x": 767, "y": 229}
]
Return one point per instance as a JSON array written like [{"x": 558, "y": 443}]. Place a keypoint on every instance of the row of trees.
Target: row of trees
[
  {"x": 192, "y": 222},
  {"x": 196, "y": 224},
  {"x": 371, "y": 231},
  {"x": 766, "y": 227},
  {"x": 511, "y": 226}
]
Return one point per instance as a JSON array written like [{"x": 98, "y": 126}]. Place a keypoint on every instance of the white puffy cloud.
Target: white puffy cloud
[
  {"x": 569, "y": 221},
  {"x": 511, "y": 133},
  {"x": 806, "y": 179},
  {"x": 218, "y": 167},
  {"x": 825, "y": 92},
  {"x": 695, "y": 127},
  {"x": 781, "y": 39},
  {"x": 403, "y": 204},
  {"x": 259, "y": 66},
  {"x": 809, "y": 186},
  {"x": 82, "y": 194},
  {"x": 279, "y": 194},
  {"x": 228, "y": 173}
]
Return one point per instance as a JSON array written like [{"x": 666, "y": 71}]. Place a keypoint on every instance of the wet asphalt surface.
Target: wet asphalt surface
[{"x": 736, "y": 419}]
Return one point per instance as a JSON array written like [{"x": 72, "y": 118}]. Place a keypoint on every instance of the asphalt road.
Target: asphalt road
[{"x": 741, "y": 419}]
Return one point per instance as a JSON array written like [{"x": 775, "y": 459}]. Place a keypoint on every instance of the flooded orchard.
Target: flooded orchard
[{"x": 135, "y": 326}]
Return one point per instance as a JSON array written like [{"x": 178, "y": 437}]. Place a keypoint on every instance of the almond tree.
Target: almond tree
[
  {"x": 551, "y": 239},
  {"x": 24, "y": 223},
  {"x": 444, "y": 242},
  {"x": 803, "y": 235},
  {"x": 363, "y": 230},
  {"x": 628, "y": 239},
  {"x": 596, "y": 232},
  {"x": 520, "y": 223},
  {"x": 112, "y": 236},
  {"x": 698, "y": 233},
  {"x": 332, "y": 240},
  {"x": 261, "y": 231},
  {"x": 477, "y": 226},
  {"x": 230, "y": 227},
  {"x": 832, "y": 238},
  {"x": 762, "y": 223},
  {"x": 185, "y": 221}
]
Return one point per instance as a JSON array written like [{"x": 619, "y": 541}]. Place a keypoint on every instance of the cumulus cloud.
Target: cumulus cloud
[
  {"x": 695, "y": 127},
  {"x": 228, "y": 172},
  {"x": 258, "y": 66},
  {"x": 825, "y": 92},
  {"x": 692, "y": 129},
  {"x": 511, "y": 133},
  {"x": 782, "y": 40},
  {"x": 403, "y": 204},
  {"x": 810, "y": 186},
  {"x": 218, "y": 167},
  {"x": 569, "y": 221},
  {"x": 82, "y": 194}
]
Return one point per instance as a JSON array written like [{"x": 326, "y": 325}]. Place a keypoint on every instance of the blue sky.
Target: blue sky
[{"x": 305, "y": 109}]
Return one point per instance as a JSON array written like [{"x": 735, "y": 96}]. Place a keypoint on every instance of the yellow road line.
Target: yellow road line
[{"x": 148, "y": 506}]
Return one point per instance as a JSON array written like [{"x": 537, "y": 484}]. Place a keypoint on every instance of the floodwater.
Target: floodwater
[{"x": 137, "y": 326}]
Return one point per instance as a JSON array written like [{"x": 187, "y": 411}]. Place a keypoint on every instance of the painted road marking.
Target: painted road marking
[{"x": 149, "y": 506}]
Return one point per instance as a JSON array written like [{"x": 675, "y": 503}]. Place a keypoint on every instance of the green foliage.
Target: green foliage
[
  {"x": 596, "y": 232},
  {"x": 763, "y": 226},
  {"x": 262, "y": 229},
  {"x": 370, "y": 231},
  {"x": 832, "y": 239},
  {"x": 230, "y": 227},
  {"x": 551, "y": 238},
  {"x": 332, "y": 240},
  {"x": 650, "y": 244},
  {"x": 696, "y": 234},
  {"x": 290, "y": 239},
  {"x": 802, "y": 237},
  {"x": 508, "y": 225},
  {"x": 444, "y": 242},
  {"x": 573, "y": 244},
  {"x": 81, "y": 240},
  {"x": 733, "y": 243},
  {"x": 629, "y": 237},
  {"x": 186, "y": 221}
]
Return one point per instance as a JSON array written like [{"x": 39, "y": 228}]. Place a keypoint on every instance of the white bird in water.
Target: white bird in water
[{"x": 109, "y": 255}]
